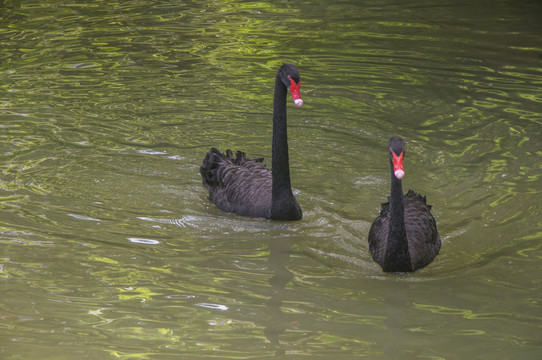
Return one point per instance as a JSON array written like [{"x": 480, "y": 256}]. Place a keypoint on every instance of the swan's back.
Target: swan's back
[
  {"x": 421, "y": 229},
  {"x": 240, "y": 185}
]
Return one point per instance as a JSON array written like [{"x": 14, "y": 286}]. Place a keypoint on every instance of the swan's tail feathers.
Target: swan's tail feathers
[{"x": 210, "y": 166}]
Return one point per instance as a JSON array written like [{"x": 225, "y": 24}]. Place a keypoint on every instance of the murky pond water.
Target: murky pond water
[{"x": 110, "y": 248}]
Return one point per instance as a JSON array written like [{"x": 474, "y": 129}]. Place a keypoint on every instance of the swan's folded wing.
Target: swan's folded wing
[
  {"x": 423, "y": 238},
  {"x": 378, "y": 235},
  {"x": 244, "y": 187}
]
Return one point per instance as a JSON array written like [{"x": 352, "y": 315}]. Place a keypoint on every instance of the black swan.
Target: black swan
[
  {"x": 404, "y": 236},
  {"x": 245, "y": 186}
]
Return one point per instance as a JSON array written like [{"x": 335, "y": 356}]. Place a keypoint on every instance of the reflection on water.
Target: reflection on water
[
  {"x": 110, "y": 247},
  {"x": 279, "y": 253},
  {"x": 396, "y": 304}
]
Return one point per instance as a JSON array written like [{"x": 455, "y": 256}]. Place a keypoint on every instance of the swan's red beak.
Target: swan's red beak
[
  {"x": 398, "y": 169},
  {"x": 294, "y": 89}
]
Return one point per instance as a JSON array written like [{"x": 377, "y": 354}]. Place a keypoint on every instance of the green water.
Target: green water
[{"x": 110, "y": 249}]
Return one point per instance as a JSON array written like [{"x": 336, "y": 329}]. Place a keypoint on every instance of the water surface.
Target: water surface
[{"x": 111, "y": 249}]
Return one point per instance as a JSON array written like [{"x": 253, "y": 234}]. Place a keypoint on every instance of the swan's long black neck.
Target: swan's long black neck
[
  {"x": 397, "y": 256},
  {"x": 282, "y": 189}
]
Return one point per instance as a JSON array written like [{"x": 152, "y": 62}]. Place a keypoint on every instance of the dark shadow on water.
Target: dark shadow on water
[
  {"x": 279, "y": 253},
  {"x": 396, "y": 302},
  {"x": 278, "y": 322}
]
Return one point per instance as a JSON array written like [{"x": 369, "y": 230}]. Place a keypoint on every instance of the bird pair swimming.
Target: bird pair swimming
[{"x": 402, "y": 238}]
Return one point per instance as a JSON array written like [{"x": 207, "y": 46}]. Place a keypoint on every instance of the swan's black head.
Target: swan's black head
[
  {"x": 290, "y": 77},
  {"x": 396, "y": 150}
]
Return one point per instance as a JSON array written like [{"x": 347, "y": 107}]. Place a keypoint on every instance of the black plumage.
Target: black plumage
[
  {"x": 404, "y": 236},
  {"x": 245, "y": 186}
]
